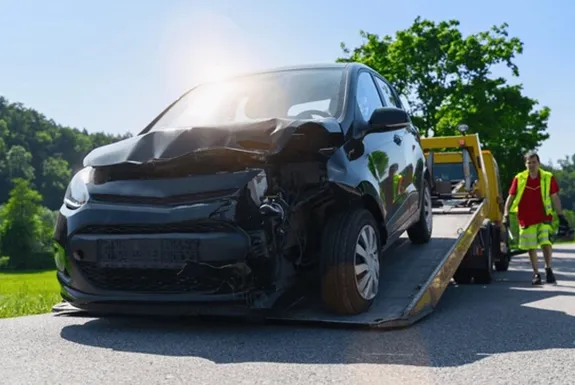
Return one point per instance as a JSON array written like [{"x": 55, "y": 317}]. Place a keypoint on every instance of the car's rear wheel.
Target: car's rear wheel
[
  {"x": 420, "y": 232},
  {"x": 350, "y": 262}
]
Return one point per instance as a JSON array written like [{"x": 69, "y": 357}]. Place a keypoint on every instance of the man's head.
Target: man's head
[{"x": 532, "y": 161}]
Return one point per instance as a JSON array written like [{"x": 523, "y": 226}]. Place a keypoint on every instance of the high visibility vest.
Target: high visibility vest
[{"x": 545, "y": 188}]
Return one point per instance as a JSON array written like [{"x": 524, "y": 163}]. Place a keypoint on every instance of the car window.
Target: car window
[
  {"x": 281, "y": 94},
  {"x": 388, "y": 96},
  {"x": 405, "y": 103},
  {"x": 367, "y": 96},
  {"x": 321, "y": 105}
]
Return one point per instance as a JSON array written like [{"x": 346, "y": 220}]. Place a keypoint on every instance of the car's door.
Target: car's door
[
  {"x": 384, "y": 151},
  {"x": 411, "y": 150}
]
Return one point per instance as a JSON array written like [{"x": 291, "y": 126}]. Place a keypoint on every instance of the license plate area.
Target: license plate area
[{"x": 147, "y": 253}]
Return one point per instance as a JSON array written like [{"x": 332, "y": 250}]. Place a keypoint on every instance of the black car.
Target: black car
[{"x": 244, "y": 189}]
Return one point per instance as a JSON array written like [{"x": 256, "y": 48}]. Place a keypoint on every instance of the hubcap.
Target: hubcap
[
  {"x": 427, "y": 208},
  {"x": 367, "y": 263}
]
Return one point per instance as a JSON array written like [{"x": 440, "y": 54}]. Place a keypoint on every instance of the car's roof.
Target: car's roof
[
  {"x": 352, "y": 65},
  {"x": 344, "y": 66}
]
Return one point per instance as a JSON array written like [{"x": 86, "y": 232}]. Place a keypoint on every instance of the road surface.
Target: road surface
[{"x": 504, "y": 333}]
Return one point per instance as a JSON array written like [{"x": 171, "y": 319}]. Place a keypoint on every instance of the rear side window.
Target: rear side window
[
  {"x": 389, "y": 97},
  {"x": 367, "y": 96}
]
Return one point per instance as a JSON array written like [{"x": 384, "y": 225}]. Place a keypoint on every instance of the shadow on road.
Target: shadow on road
[
  {"x": 471, "y": 323},
  {"x": 563, "y": 250}
]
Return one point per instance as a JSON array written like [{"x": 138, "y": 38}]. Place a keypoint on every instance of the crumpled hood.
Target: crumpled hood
[{"x": 266, "y": 137}]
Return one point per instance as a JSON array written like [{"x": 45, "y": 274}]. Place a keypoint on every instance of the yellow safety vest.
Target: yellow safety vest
[{"x": 545, "y": 188}]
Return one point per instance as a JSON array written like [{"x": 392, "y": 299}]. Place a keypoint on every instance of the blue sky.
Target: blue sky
[{"x": 113, "y": 65}]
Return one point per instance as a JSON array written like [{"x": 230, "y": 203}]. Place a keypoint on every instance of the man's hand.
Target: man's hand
[
  {"x": 505, "y": 220},
  {"x": 563, "y": 221}
]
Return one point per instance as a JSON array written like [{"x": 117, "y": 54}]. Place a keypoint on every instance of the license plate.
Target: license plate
[{"x": 146, "y": 253}]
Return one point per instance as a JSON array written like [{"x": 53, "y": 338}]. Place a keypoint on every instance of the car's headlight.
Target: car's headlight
[{"x": 77, "y": 191}]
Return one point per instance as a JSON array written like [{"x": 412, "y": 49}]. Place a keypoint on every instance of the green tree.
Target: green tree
[
  {"x": 36, "y": 148},
  {"x": 55, "y": 177},
  {"x": 19, "y": 162},
  {"x": 446, "y": 79},
  {"x": 22, "y": 225}
]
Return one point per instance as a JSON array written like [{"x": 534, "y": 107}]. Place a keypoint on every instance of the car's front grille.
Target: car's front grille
[
  {"x": 159, "y": 280},
  {"x": 183, "y": 227},
  {"x": 163, "y": 201},
  {"x": 142, "y": 280}
]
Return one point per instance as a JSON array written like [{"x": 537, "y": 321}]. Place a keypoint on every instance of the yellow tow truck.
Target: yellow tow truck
[{"x": 465, "y": 175}]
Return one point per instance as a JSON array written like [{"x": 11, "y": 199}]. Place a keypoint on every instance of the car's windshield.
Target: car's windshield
[
  {"x": 302, "y": 94},
  {"x": 452, "y": 171}
]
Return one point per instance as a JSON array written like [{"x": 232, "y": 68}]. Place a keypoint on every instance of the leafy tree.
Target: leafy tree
[
  {"x": 56, "y": 175},
  {"x": 22, "y": 225},
  {"x": 19, "y": 162},
  {"x": 565, "y": 175},
  {"x": 446, "y": 79},
  {"x": 36, "y": 148}
]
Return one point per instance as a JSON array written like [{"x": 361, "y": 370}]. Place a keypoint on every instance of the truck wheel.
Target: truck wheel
[
  {"x": 421, "y": 231},
  {"x": 502, "y": 260},
  {"x": 462, "y": 277},
  {"x": 503, "y": 265},
  {"x": 350, "y": 255},
  {"x": 484, "y": 276}
]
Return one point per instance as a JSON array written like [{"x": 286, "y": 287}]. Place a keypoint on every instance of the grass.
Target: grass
[{"x": 27, "y": 293}]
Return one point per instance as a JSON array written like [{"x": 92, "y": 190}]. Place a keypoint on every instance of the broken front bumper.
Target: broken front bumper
[{"x": 125, "y": 253}]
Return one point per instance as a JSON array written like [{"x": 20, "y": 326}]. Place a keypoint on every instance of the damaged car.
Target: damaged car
[{"x": 245, "y": 190}]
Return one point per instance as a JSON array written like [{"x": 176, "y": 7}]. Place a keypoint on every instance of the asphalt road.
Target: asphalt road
[{"x": 504, "y": 333}]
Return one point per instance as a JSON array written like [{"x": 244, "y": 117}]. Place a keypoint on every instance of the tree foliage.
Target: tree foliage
[
  {"x": 22, "y": 228},
  {"x": 447, "y": 79},
  {"x": 37, "y": 149},
  {"x": 37, "y": 158}
]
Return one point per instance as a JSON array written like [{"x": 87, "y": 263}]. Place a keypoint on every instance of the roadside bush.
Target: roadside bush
[{"x": 4, "y": 261}]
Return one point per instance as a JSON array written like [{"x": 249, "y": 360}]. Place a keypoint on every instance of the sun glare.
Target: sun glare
[{"x": 204, "y": 46}]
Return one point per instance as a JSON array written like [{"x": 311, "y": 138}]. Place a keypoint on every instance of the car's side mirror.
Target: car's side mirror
[{"x": 388, "y": 119}]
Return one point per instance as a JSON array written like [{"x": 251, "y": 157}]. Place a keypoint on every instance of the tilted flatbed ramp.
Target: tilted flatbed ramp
[{"x": 412, "y": 279}]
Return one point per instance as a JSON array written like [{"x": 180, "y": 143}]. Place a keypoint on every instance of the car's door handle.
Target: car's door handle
[{"x": 397, "y": 139}]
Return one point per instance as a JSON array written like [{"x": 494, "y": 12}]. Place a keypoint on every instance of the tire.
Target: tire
[
  {"x": 484, "y": 276},
  {"x": 462, "y": 277},
  {"x": 339, "y": 283},
  {"x": 420, "y": 232},
  {"x": 502, "y": 265}
]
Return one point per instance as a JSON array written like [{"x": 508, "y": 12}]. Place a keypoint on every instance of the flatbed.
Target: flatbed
[{"x": 413, "y": 277}]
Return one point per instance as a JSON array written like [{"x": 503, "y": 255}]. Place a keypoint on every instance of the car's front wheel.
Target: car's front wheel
[{"x": 350, "y": 262}]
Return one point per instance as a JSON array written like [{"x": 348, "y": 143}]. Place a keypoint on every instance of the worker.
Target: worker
[{"x": 532, "y": 195}]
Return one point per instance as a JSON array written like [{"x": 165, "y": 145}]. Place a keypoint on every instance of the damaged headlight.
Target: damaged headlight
[{"x": 77, "y": 191}]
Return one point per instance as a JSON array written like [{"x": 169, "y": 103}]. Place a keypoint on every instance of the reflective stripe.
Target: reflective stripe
[
  {"x": 545, "y": 189},
  {"x": 534, "y": 236}
]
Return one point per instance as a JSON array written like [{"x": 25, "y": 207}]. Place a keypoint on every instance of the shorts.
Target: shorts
[{"x": 534, "y": 236}]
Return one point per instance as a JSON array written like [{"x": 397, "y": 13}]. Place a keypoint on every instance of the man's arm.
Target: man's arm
[
  {"x": 554, "y": 191},
  {"x": 557, "y": 204},
  {"x": 508, "y": 203},
  {"x": 510, "y": 197}
]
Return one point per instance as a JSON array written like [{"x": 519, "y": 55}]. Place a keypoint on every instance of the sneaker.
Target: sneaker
[
  {"x": 536, "y": 280},
  {"x": 550, "y": 277}
]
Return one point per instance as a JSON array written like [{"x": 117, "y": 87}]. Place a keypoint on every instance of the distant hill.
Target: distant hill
[{"x": 38, "y": 149}]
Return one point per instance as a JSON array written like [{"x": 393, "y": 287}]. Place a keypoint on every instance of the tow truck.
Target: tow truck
[{"x": 465, "y": 245}]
